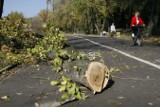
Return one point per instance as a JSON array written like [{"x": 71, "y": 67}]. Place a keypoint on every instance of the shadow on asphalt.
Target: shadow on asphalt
[
  {"x": 75, "y": 39},
  {"x": 109, "y": 85}
]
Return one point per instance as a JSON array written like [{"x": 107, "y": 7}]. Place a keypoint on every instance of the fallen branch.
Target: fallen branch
[
  {"x": 54, "y": 103},
  {"x": 8, "y": 67}
]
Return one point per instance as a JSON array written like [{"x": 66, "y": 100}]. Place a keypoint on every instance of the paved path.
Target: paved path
[{"x": 141, "y": 89}]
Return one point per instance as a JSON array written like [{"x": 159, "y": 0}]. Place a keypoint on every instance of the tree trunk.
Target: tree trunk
[
  {"x": 97, "y": 28},
  {"x": 94, "y": 21},
  {"x": 152, "y": 23},
  {"x": 87, "y": 24},
  {"x": 103, "y": 24},
  {"x": 153, "y": 19},
  {"x": 1, "y": 7}
]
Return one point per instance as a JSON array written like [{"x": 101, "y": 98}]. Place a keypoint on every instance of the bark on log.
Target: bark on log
[{"x": 73, "y": 74}]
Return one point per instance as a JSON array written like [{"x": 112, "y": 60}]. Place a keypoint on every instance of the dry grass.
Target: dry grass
[{"x": 152, "y": 39}]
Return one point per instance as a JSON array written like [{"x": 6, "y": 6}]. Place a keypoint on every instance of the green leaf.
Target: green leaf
[
  {"x": 72, "y": 90},
  {"x": 53, "y": 83},
  {"x": 77, "y": 89},
  {"x": 69, "y": 85},
  {"x": 75, "y": 67},
  {"x": 83, "y": 96},
  {"x": 64, "y": 82},
  {"x": 65, "y": 79},
  {"x": 65, "y": 96},
  {"x": 62, "y": 88},
  {"x": 63, "y": 53},
  {"x": 78, "y": 96}
]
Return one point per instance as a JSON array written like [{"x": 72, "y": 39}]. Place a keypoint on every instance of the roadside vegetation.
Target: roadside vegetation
[
  {"x": 23, "y": 44},
  {"x": 19, "y": 44}
]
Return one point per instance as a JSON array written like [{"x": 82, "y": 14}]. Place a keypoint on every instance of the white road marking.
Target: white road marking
[{"x": 123, "y": 53}]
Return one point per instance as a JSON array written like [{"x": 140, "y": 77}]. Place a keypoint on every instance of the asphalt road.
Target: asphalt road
[{"x": 135, "y": 85}]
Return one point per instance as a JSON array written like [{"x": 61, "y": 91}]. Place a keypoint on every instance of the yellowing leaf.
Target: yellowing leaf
[
  {"x": 64, "y": 82},
  {"x": 53, "y": 83},
  {"x": 63, "y": 88},
  {"x": 5, "y": 98},
  {"x": 78, "y": 96}
]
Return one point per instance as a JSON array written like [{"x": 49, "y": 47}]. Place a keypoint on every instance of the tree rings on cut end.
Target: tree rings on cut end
[{"x": 97, "y": 76}]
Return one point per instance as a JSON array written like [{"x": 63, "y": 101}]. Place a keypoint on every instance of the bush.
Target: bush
[{"x": 20, "y": 44}]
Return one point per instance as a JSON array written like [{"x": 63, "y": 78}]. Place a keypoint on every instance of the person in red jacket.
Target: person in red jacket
[{"x": 136, "y": 21}]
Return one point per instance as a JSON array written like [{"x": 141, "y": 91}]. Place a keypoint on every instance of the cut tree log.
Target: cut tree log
[
  {"x": 97, "y": 76},
  {"x": 94, "y": 75}
]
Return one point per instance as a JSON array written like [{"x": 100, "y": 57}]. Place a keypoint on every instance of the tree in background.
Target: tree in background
[
  {"x": 153, "y": 17},
  {"x": 36, "y": 24},
  {"x": 43, "y": 15},
  {"x": 92, "y": 16},
  {"x": 1, "y": 7},
  {"x": 14, "y": 16}
]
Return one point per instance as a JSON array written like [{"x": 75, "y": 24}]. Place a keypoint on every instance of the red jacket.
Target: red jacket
[{"x": 136, "y": 21}]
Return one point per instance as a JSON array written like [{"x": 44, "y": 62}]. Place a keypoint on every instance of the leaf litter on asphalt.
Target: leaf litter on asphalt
[
  {"x": 120, "y": 97},
  {"x": 5, "y": 98}
]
